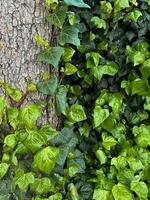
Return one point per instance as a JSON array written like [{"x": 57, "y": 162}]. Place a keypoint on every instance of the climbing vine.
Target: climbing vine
[{"x": 100, "y": 149}]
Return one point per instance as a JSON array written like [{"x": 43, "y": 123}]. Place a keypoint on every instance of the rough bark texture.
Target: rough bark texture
[{"x": 20, "y": 20}]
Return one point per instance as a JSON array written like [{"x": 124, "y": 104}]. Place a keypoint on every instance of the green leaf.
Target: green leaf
[
  {"x": 42, "y": 186},
  {"x": 101, "y": 156},
  {"x": 35, "y": 140},
  {"x": 108, "y": 141},
  {"x": 134, "y": 15},
  {"x": 145, "y": 69},
  {"x": 10, "y": 141},
  {"x": 93, "y": 59},
  {"x": 109, "y": 68},
  {"x": 30, "y": 114},
  {"x": 48, "y": 131},
  {"x": 77, "y": 3},
  {"x": 73, "y": 191},
  {"x": 58, "y": 16},
  {"x": 61, "y": 99},
  {"x": 57, "y": 196},
  {"x": 68, "y": 54},
  {"x": 46, "y": 158},
  {"x": 135, "y": 164},
  {"x": 121, "y": 192},
  {"x": 100, "y": 115},
  {"x": 99, "y": 23},
  {"x": 49, "y": 86},
  {"x": 70, "y": 69},
  {"x": 23, "y": 180},
  {"x": 51, "y": 56},
  {"x": 140, "y": 87},
  {"x": 49, "y": 2},
  {"x": 69, "y": 34},
  {"x": 41, "y": 41},
  {"x": 100, "y": 194},
  {"x": 3, "y": 169},
  {"x": 121, "y": 4},
  {"x": 76, "y": 113},
  {"x": 119, "y": 162},
  {"x": 2, "y": 107},
  {"x": 13, "y": 116},
  {"x": 14, "y": 93},
  {"x": 109, "y": 123},
  {"x": 116, "y": 103},
  {"x": 140, "y": 188}
]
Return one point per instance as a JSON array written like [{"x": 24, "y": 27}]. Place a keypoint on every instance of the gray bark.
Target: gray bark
[{"x": 20, "y": 20}]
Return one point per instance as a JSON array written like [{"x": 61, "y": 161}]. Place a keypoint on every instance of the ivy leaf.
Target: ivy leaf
[
  {"x": 42, "y": 186},
  {"x": 35, "y": 140},
  {"x": 13, "y": 116},
  {"x": 121, "y": 192},
  {"x": 70, "y": 69},
  {"x": 68, "y": 53},
  {"x": 77, "y": 3},
  {"x": 49, "y": 86},
  {"x": 3, "y": 169},
  {"x": 10, "y": 141},
  {"x": 93, "y": 59},
  {"x": 30, "y": 114},
  {"x": 41, "y": 41},
  {"x": 14, "y": 93},
  {"x": 58, "y": 17},
  {"x": 99, "y": 23},
  {"x": 135, "y": 164},
  {"x": 48, "y": 131},
  {"x": 140, "y": 87},
  {"x": 100, "y": 115},
  {"x": 109, "y": 68},
  {"x": 69, "y": 34},
  {"x": 23, "y": 180},
  {"x": 61, "y": 99},
  {"x": 46, "y": 158},
  {"x": 119, "y": 162},
  {"x": 108, "y": 141},
  {"x": 140, "y": 188},
  {"x": 134, "y": 15},
  {"x": 51, "y": 56},
  {"x": 57, "y": 196},
  {"x": 100, "y": 194},
  {"x": 121, "y": 4},
  {"x": 76, "y": 113},
  {"x": 101, "y": 156},
  {"x": 2, "y": 107},
  {"x": 49, "y": 2}
]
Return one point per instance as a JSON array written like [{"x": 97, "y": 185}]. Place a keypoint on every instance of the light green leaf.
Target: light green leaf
[
  {"x": 57, "y": 196},
  {"x": 109, "y": 68},
  {"x": 49, "y": 86},
  {"x": 35, "y": 140},
  {"x": 145, "y": 69},
  {"x": 121, "y": 192},
  {"x": 69, "y": 34},
  {"x": 13, "y": 116},
  {"x": 100, "y": 115},
  {"x": 101, "y": 156},
  {"x": 23, "y": 180},
  {"x": 46, "y": 158},
  {"x": 14, "y": 93},
  {"x": 135, "y": 164},
  {"x": 10, "y": 141},
  {"x": 119, "y": 162},
  {"x": 41, "y": 41},
  {"x": 93, "y": 59},
  {"x": 3, "y": 169},
  {"x": 100, "y": 194},
  {"x": 76, "y": 113},
  {"x": 99, "y": 23},
  {"x": 77, "y": 3},
  {"x": 116, "y": 103},
  {"x": 108, "y": 141},
  {"x": 70, "y": 69},
  {"x": 134, "y": 15},
  {"x": 121, "y": 4},
  {"x": 42, "y": 186},
  {"x": 73, "y": 191},
  {"x": 109, "y": 123},
  {"x": 30, "y": 114},
  {"x": 2, "y": 107},
  {"x": 49, "y": 2},
  {"x": 138, "y": 58},
  {"x": 140, "y": 87},
  {"x": 140, "y": 188},
  {"x": 58, "y": 16},
  {"x": 71, "y": 18},
  {"x": 48, "y": 131},
  {"x": 67, "y": 55},
  {"x": 51, "y": 56},
  {"x": 147, "y": 104}
]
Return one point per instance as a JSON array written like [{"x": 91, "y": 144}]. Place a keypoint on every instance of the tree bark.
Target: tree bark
[{"x": 20, "y": 20}]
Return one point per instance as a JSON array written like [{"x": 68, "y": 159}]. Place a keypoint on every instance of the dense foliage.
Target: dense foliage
[{"x": 102, "y": 95}]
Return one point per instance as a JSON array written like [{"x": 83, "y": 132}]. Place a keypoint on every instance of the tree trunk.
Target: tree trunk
[{"x": 20, "y": 20}]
